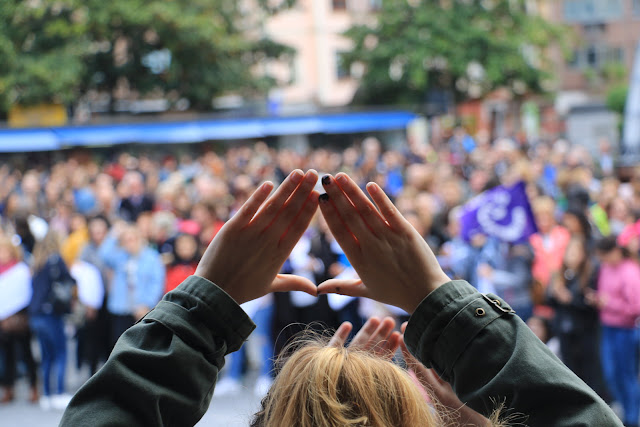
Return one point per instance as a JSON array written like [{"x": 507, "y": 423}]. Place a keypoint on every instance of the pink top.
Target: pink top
[
  {"x": 619, "y": 289},
  {"x": 548, "y": 253}
]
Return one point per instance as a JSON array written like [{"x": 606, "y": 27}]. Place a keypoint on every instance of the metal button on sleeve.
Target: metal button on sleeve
[{"x": 480, "y": 312}]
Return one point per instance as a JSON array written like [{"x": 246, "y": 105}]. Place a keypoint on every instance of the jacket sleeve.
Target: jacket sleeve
[
  {"x": 490, "y": 356},
  {"x": 162, "y": 371}
]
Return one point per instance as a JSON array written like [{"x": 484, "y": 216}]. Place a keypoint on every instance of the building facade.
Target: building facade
[
  {"x": 315, "y": 76},
  {"x": 603, "y": 43}
]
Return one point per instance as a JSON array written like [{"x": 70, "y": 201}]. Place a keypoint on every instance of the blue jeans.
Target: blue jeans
[
  {"x": 53, "y": 344},
  {"x": 262, "y": 319},
  {"x": 620, "y": 367}
]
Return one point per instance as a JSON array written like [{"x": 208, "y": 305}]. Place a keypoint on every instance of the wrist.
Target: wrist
[{"x": 431, "y": 285}]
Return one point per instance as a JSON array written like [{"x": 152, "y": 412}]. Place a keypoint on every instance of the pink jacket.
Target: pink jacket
[
  {"x": 619, "y": 288},
  {"x": 549, "y": 253}
]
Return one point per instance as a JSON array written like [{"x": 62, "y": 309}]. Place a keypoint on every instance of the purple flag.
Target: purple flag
[{"x": 502, "y": 212}]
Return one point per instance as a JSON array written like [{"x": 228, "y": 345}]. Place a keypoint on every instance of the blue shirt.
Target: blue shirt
[{"x": 138, "y": 280}]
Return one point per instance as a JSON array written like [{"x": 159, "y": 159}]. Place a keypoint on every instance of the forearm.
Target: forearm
[
  {"x": 490, "y": 356},
  {"x": 162, "y": 370}
]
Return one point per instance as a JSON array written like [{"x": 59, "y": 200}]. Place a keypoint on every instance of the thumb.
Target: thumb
[
  {"x": 350, "y": 287},
  {"x": 291, "y": 282}
]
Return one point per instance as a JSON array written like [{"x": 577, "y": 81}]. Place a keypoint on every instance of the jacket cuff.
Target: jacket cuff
[
  {"x": 214, "y": 308},
  {"x": 446, "y": 322}
]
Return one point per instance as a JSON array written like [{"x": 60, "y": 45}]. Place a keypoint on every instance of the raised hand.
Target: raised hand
[
  {"x": 375, "y": 336},
  {"x": 393, "y": 261},
  {"x": 245, "y": 256}
]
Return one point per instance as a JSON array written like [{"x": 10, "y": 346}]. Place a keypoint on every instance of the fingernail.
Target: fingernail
[
  {"x": 326, "y": 180},
  {"x": 323, "y": 198},
  {"x": 296, "y": 176},
  {"x": 266, "y": 185},
  {"x": 342, "y": 179},
  {"x": 372, "y": 187}
]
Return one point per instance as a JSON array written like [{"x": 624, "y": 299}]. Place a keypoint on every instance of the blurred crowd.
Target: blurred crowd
[{"x": 126, "y": 229}]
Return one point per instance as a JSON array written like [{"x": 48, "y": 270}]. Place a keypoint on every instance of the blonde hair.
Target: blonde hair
[
  {"x": 43, "y": 250},
  {"x": 14, "y": 250},
  {"x": 322, "y": 386}
]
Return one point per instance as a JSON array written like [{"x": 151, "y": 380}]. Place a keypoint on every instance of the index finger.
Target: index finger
[{"x": 270, "y": 209}]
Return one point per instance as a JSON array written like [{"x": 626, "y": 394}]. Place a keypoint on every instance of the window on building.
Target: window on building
[
  {"x": 339, "y": 4},
  {"x": 596, "y": 57},
  {"x": 585, "y": 11},
  {"x": 342, "y": 71}
]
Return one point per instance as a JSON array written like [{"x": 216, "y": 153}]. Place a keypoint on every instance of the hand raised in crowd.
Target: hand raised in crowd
[
  {"x": 394, "y": 263},
  {"x": 376, "y": 336},
  {"x": 245, "y": 256}
]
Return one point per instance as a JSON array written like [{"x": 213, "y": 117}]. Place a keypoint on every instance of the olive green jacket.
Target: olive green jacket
[{"x": 163, "y": 370}]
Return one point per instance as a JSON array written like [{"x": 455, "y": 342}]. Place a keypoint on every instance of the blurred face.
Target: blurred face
[
  {"x": 545, "y": 220},
  {"x": 574, "y": 255},
  {"x": 186, "y": 247},
  {"x": 572, "y": 224},
  {"x": 97, "y": 230},
  {"x": 612, "y": 258},
  {"x": 131, "y": 242},
  {"x": 78, "y": 223}
]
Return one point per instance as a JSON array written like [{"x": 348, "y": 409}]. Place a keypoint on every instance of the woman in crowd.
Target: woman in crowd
[
  {"x": 618, "y": 299},
  {"x": 138, "y": 279},
  {"x": 549, "y": 243},
  {"x": 576, "y": 317},
  {"x": 15, "y": 336},
  {"x": 46, "y": 312},
  {"x": 146, "y": 382},
  {"x": 185, "y": 260}
]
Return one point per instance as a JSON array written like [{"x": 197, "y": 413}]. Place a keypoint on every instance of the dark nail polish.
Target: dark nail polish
[
  {"x": 324, "y": 197},
  {"x": 326, "y": 180}
]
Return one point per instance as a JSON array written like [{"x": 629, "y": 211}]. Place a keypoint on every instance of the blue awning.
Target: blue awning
[{"x": 45, "y": 139}]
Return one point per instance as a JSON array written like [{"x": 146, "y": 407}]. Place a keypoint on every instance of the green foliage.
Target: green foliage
[
  {"x": 617, "y": 98},
  {"x": 465, "y": 47},
  {"x": 58, "y": 50}
]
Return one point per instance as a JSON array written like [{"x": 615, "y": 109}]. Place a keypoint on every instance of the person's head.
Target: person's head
[
  {"x": 8, "y": 251},
  {"x": 609, "y": 252},
  {"x": 186, "y": 248},
  {"x": 544, "y": 210},
  {"x": 577, "y": 223},
  {"x": 45, "y": 248},
  {"x": 540, "y": 328},
  {"x": 338, "y": 386},
  {"x": 78, "y": 222},
  {"x": 163, "y": 226},
  {"x": 131, "y": 240},
  {"x": 576, "y": 254},
  {"x": 134, "y": 183},
  {"x": 453, "y": 221},
  {"x": 98, "y": 229}
]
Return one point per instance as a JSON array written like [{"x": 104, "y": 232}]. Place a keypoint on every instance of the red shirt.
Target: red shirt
[{"x": 177, "y": 274}]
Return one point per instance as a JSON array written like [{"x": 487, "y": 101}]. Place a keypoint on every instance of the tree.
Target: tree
[
  {"x": 464, "y": 48},
  {"x": 60, "y": 50}
]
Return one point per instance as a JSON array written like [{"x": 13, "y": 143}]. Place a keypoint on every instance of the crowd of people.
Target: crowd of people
[{"x": 129, "y": 228}]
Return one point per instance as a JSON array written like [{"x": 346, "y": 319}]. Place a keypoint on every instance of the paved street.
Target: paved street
[{"x": 224, "y": 411}]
